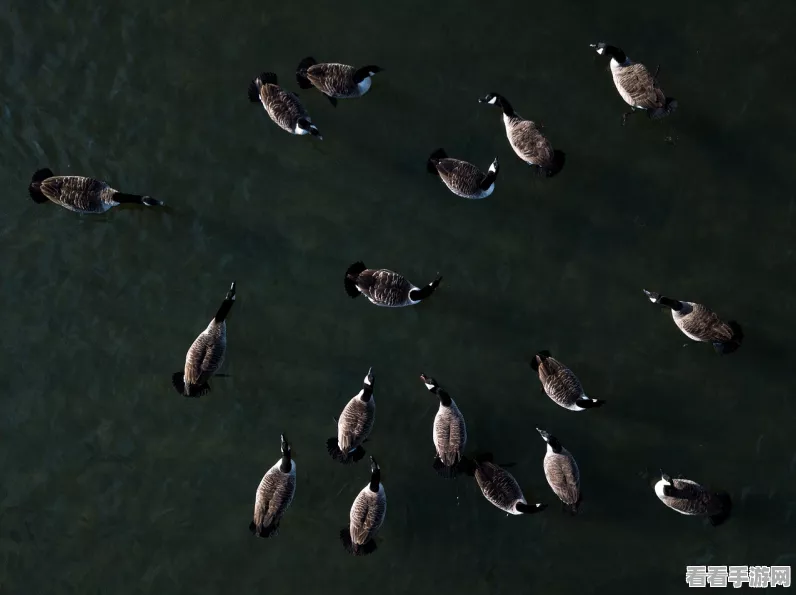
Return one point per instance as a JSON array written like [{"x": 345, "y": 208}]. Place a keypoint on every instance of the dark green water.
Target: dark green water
[{"x": 113, "y": 483}]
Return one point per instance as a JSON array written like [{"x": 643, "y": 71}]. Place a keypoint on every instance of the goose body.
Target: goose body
[
  {"x": 355, "y": 424},
  {"x": 206, "y": 353},
  {"x": 366, "y": 516},
  {"x": 274, "y": 494},
  {"x": 561, "y": 384},
  {"x": 561, "y": 472},
  {"x": 450, "y": 431},
  {"x": 502, "y": 490},
  {"x": 636, "y": 85},
  {"x": 689, "y": 498},
  {"x": 462, "y": 178},
  {"x": 81, "y": 194},
  {"x": 527, "y": 139},
  {"x": 336, "y": 81},
  {"x": 282, "y": 106},
  {"x": 700, "y": 323},
  {"x": 385, "y": 288}
]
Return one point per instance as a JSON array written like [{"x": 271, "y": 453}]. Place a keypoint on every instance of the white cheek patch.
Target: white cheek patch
[
  {"x": 492, "y": 101},
  {"x": 493, "y": 167},
  {"x": 429, "y": 386},
  {"x": 600, "y": 50}
]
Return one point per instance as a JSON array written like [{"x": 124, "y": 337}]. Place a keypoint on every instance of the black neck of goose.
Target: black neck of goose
[
  {"x": 670, "y": 303},
  {"x": 123, "y": 198},
  {"x": 286, "y": 465},
  {"x": 444, "y": 397},
  {"x": 507, "y": 109},
  {"x": 375, "y": 479},
  {"x": 367, "y": 392},
  {"x": 489, "y": 179},
  {"x": 362, "y": 73},
  {"x": 554, "y": 444},
  {"x": 223, "y": 310},
  {"x": 616, "y": 53},
  {"x": 421, "y": 294}
]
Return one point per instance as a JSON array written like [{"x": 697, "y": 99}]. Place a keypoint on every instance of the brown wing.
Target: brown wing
[
  {"x": 450, "y": 434},
  {"x": 367, "y": 515},
  {"x": 563, "y": 475},
  {"x": 498, "y": 485},
  {"x": 691, "y": 498},
  {"x": 530, "y": 144},
  {"x": 638, "y": 87},
  {"x": 206, "y": 354},
  {"x": 335, "y": 80},
  {"x": 703, "y": 323},
  {"x": 559, "y": 382},
  {"x": 282, "y": 106},
  {"x": 384, "y": 287},
  {"x": 355, "y": 423},
  {"x": 460, "y": 176},
  {"x": 77, "y": 193},
  {"x": 274, "y": 495}
]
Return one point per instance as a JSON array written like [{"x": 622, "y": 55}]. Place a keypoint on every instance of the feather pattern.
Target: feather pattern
[
  {"x": 462, "y": 178},
  {"x": 274, "y": 495},
  {"x": 355, "y": 423},
  {"x": 79, "y": 194},
  {"x": 528, "y": 142},
  {"x": 385, "y": 288},
  {"x": 206, "y": 354},
  {"x": 450, "y": 434},
  {"x": 499, "y": 486},
  {"x": 688, "y": 497},
  {"x": 637, "y": 86},
  {"x": 560, "y": 383},
  {"x": 283, "y": 107},
  {"x": 702, "y": 324},
  {"x": 367, "y": 515},
  {"x": 335, "y": 80},
  {"x": 563, "y": 475}
]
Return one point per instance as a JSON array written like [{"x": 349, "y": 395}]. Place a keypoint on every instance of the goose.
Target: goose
[
  {"x": 366, "y": 516},
  {"x": 699, "y": 323},
  {"x": 688, "y": 497},
  {"x": 562, "y": 472},
  {"x": 81, "y": 194},
  {"x": 355, "y": 424},
  {"x": 636, "y": 85},
  {"x": 526, "y": 138},
  {"x": 561, "y": 384},
  {"x": 274, "y": 494},
  {"x": 335, "y": 81},
  {"x": 206, "y": 354},
  {"x": 283, "y": 107},
  {"x": 462, "y": 178},
  {"x": 501, "y": 489},
  {"x": 386, "y": 288},
  {"x": 450, "y": 431}
]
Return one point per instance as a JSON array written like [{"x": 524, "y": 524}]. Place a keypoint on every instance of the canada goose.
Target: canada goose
[
  {"x": 355, "y": 424},
  {"x": 384, "y": 287},
  {"x": 206, "y": 354},
  {"x": 699, "y": 323},
  {"x": 274, "y": 494},
  {"x": 450, "y": 431},
  {"x": 500, "y": 488},
  {"x": 80, "y": 194},
  {"x": 526, "y": 138},
  {"x": 336, "y": 81},
  {"x": 688, "y": 497},
  {"x": 561, "y": 384},
  {"x": 283, "y": 107},
  {"x": 562, "y": 472},
  {"x": 462, "y": 178},
  {"x": 636, "y": 85},
  {"x": 366, "y": 516}
]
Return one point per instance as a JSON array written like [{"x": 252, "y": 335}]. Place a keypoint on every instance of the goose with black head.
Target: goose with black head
[
  {"x": 354, "y": 425},
  {"x": 462, "y": 178},
  {"x": 527, "y": 139},
  {"x": 334, "y": 80},
  {"x": 690, "y": 498},
  {"x": 274, "y": 494},
  {"x": 384, "y": 287},
  {"x": 282, "y": 106},
  {"x": 561, "y": 472},
  {"x": 700, "y": 323},
  {"x": 449, "y": 433},
  {"x": 366, "y": 516},
  {"x": 561, "y": 384}
]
